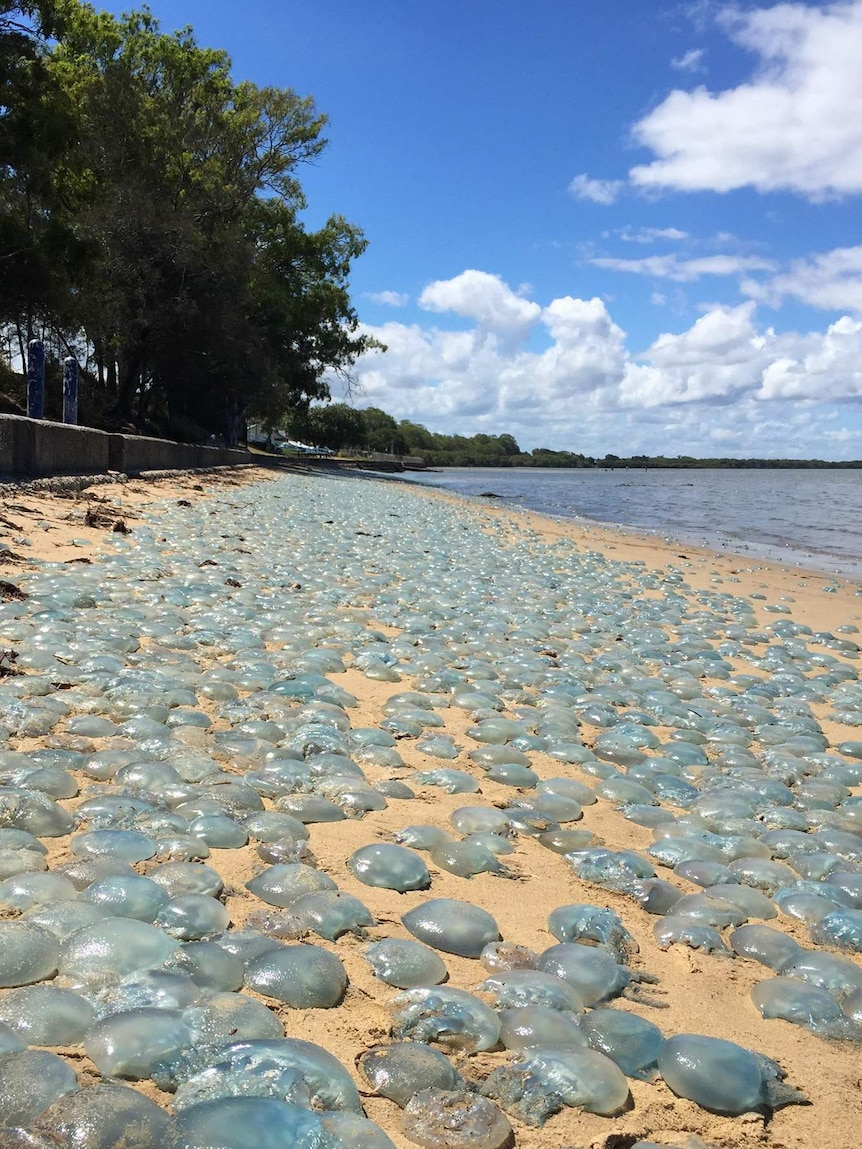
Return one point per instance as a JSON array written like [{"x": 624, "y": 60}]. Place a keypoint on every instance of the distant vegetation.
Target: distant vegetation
[{"x": 346, "y": 428}]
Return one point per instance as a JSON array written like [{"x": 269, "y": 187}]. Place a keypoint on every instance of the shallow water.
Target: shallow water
[{"x": 809, "y": 518}]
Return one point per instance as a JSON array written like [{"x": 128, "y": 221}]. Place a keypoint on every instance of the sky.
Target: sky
[{"x": 626, "y": 226}]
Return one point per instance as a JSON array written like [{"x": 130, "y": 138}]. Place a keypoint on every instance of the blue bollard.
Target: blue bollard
[
  {"x": 36, "y": 379},
  {"x": 70, "y": 390}
]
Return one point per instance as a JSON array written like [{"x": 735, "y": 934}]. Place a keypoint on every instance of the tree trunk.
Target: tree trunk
[{"x": 129, "y": 375}]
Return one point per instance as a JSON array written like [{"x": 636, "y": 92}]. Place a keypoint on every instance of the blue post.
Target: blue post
[
  {"x": 70, "y": 390},
  {"x": 36, "y": 379}
]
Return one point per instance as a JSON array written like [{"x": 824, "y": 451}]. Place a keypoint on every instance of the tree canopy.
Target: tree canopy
[
  {"x": 150, "y": 223},
  {"x": 346, "y": 428}
]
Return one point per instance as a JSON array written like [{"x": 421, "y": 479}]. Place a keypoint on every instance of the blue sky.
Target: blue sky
[{"x": 628, "y": 226}]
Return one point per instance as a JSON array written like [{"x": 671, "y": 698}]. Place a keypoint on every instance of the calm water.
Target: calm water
[{"x": 808, "y": 518}]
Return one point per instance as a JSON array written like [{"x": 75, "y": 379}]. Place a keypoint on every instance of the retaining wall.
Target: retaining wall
[{"x": 37, "y": 448}]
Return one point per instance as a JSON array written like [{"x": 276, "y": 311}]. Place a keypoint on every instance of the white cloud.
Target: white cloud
[
  {"x": 388, "y": 298},
  {"x": 484, "y": 298},
  {"x": 831, "y": 281},
  {"x": 586, "y": 356},
  {"x": 715, "y": 360},
  {"x": 725, "y": 385},
  {"x": 650, "y": 234},
  {"x": 829, "y": 367},
  {"x": 598, "y": 191},
  {"x": 790, "y": 127},
  {"x": 690, "y": 61},
  {"x": 685, "y": 270}
]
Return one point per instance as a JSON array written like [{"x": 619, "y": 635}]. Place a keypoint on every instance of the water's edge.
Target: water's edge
[{"x": 808, "y": 519}]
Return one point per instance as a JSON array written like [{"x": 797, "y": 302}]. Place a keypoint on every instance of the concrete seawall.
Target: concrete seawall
[{"x": 37, "y": 448}]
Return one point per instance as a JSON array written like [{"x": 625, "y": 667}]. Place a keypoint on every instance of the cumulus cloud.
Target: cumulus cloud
[
  {"x": 586, "y": 357},
  {"x": 485, "y": 298},
  {"x": 789, "y": 127},
  {"x": 685, "y": 270},
  {"x": 598, "y": 191},
  {"x": 388, "y": 298},
  {"x": 831, "y": 281},
  {"x": 727, "y": 384},
  {"x": 827, "y": 367},
  {"x": 717, "y": 359}
]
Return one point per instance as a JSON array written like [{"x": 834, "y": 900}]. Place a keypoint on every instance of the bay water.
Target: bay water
[{"x": 809, "y": 517}]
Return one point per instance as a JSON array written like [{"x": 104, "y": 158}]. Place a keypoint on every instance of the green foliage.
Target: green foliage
[
  {"x": 480, "y": 450},
  {"x": 149, "y": 216},
  {"x": 341, "y": 426},
  {"x": 382, "y": 433},
  {"x": 338, "y": 426}
]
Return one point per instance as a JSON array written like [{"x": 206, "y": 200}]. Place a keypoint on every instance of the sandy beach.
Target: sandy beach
[{"x": 699, "y": 993}]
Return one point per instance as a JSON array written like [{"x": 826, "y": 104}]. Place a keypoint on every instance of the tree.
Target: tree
[
  {"x": 416, "y": 437},
  {"x": 167, "y": 241},
  {"x": 382, "y": 433},
  {"x": 302, "y": 323},
  {"x": 34, "y": 130},
  {"x": 337, "y": 425},
  {"x": 507, "y": 445}
]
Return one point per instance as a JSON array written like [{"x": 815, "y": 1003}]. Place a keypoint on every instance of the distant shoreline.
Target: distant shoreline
[{"x": 645, "y": 464}]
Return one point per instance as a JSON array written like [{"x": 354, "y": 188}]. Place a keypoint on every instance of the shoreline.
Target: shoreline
[
  {"x": 703, "y": 567},
  {"x": 362, "y": 542},
  {"x": 754, "y": 549}
]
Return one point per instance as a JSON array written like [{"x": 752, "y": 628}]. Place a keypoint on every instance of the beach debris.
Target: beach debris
[
  {"x": 513, "y": 988},
  {"x": 583, "y": 922},
  {"x": 724, "y": 1077},
  {"x": 545, "y": 1079},
  {"x": 31, "y": 1080},
  {"x": 630, "y": 1041},
  {"x": 156, "y": 727},
  {"x": 451, "y": 1017},
  {"x": 118, "y": 1112},
  {"x": 405, "y": 964},
  {"x": 528, "y": 1025},
  {"x": 228, "y": 1068},
  {"x": 592, "y": 971},
  {"x": 303, "y": 976},
  {"x": 467, "y": 858},
  {"x": 401, "y": 1070},
  {"x": 457, "y": 1119},
  {"x": 453, "y": 926},
  {"x": 807, "y": 1005},
  {"x": 392, "y": 867},
  {"x": 249, "y": 1123}
]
